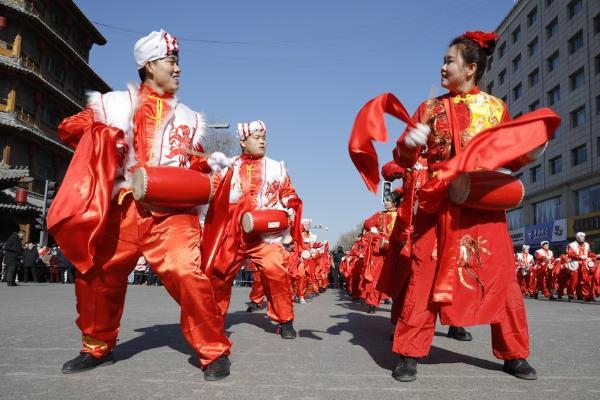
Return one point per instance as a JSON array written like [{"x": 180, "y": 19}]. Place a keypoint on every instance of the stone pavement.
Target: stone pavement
[{"x": 341, "y": 353}]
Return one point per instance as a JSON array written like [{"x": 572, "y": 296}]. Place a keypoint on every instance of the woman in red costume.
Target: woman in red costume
[{"x": 461, "y": 266}]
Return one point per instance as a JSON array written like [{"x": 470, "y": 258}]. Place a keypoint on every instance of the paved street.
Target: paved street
[{"x": 341, "y": 353}]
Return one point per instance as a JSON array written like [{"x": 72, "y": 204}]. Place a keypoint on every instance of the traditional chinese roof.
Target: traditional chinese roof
[{"x": 10, "y": 174}]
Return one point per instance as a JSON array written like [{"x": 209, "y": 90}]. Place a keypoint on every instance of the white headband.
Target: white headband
[
  {"x": 245, "y": 129},
  {"x": 155, "y": 46}
]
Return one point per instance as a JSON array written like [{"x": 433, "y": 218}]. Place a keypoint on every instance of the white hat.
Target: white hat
[
  {"x": 544, "y": 242},
  {"x": 245, "y": 129},
  {"x": 580, "y": 235},
  {"x": 525, "y": 247},
  {"x": 155, "y": 46}
]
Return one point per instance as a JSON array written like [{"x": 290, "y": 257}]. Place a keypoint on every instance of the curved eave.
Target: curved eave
[
  {"x": 81, "y": 17},
  {"x": 10, "y": 121},
  {"x": 11, "y": 65},
  {"x": 60, "y": 40}
]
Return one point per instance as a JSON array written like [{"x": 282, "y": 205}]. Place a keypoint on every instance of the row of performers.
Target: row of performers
[
  {"x": 575, "y": 272},
  {"x": 308, "y": 270}
]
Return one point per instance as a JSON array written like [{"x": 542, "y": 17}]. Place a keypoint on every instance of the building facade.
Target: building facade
[
  {"x": 549, "y": 56},
  {"x": 44, "y": 74}
]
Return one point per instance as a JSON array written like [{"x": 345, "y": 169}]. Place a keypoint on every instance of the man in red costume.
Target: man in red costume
[
  {"x": 544, "y": 258},
  {"x": 581, "y": 263},
  {"x": 461, "y": 261},
  {"x": 525, "y": 266},
  {"x": 258, "y": 183},
  {"x": 143, "y": 126}
]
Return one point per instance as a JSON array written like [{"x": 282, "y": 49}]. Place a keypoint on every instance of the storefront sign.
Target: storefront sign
[
  {"x": 517, "y": 236},
  {"x": 554, "y": 231},
  {"x": 589, "y": 224}
]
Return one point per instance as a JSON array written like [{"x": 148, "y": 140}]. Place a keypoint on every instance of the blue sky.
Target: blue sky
[{"x": 305, "y": 68}]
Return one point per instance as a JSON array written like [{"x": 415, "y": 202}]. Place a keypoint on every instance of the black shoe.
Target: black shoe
[
  {"x": 217, "y": 369},
  {"x": 552, "y": 298},
  {"x": 371, "y": 310},
  {"x": 406, "y": 370},
  {"x": 520, "y": 368},
  {"x": 85, "y": 362},
  {"x": 459, "y": 333},
  {"x": 253, "y": 307},
  {"x": 287, "y": 331},
  {"x": 570, "y": 299},
  {"x": 387, "y": 301}
]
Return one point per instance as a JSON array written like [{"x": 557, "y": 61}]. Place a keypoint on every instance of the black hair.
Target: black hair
[
  {"x": 393, "y": 197},
  {"x": 142, "y": 74},
  {"x": 473, "y": 53}
]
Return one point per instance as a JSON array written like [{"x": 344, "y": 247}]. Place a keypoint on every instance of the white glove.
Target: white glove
[
  {"x": 217, "y": 161},
  {"x": 417, "y": 136},
  {"x": 374, "y": 230}
]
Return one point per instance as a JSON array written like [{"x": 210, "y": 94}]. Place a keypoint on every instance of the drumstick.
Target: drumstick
[{"x": 196, "y": 153}]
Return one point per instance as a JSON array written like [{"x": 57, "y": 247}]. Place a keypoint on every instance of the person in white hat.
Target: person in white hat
[
  {"x": 544, "y": 271},
  {"x": 525, "y": 264},
  {"x": 581, "y": 261},
  {"x": 261, "y": 192},
  {"x": 148, "y": 126}
]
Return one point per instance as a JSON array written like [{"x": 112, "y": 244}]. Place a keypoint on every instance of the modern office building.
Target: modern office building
[{"x": 549, "y": 56}]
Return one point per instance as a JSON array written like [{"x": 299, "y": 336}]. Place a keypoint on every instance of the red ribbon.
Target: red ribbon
[{"x": 369, "y": 126}]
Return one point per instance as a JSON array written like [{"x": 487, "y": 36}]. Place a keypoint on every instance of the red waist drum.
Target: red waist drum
[
  {"x": 264, "y": 221},
  {"x": 384, "y": 246},
  {"x": 486, "y": 190},
  {"x": 171, "y": 187}
]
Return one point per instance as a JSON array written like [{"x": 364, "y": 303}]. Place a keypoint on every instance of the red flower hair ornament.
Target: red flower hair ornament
[{"x": 483, "y": 39}]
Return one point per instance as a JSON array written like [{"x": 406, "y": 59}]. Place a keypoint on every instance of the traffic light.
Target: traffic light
[
  {"x": 40, "y": 223},
  {"x": 49, "y": 194}
]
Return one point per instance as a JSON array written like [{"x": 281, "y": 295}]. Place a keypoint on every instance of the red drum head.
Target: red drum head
[{"x": 486, "y": 190}]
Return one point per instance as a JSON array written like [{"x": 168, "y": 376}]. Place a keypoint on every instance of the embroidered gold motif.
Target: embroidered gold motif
[
  {"x": 469, "y": 259},
  {"x": 94, "y": 344}
]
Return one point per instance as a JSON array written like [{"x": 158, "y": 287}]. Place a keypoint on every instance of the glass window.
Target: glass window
[
  {"x": 577, "y": 79},
  {"x": 557, "y": 133},
  {"x": 517, "y": 91},
  {"x": 554, "y": 95},
  {"x": 535, "y": 173},
  {"x": 578, "y": 117},
  {"x": 552, "y": 28},
  {"x": 576, "y": 42},
  {"x": 516, "y": 34},
  {"x": 574, "y": 7},
  {"x": 555, "y": 165},
  {"x": 533, "y": 47},
  {"x": 588, "y": 199},
  {"x": 502, "y": 76},
  {"x": 534, "y": 77},
  {"x": 597, "y": 64},
  {"x": 532, "y": 17},
  {"x": 534, "y": 106},
  {"x": 579, "y": 155},
  {"x": 596, "y": 24},
  {"x": 490, "y": 87},
  {"x": 490, "y": 61},
  {"x": 515, "y": 218},
  {"x": 598, "y": 105},
  {"x": 547, "y": 210},
  {"x": 501, "y": 50},
  {"x": 553, "y": 61},
  {"x": 516, "y": 63}
]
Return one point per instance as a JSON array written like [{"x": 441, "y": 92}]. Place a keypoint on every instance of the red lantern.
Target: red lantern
[
  {"x": 21, "y": 196},
  {"x": 3, "y": 22}
]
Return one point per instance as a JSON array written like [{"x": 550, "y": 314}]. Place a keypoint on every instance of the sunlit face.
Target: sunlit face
[
  {"x": 525, "y": 250},
  {"x": 580, "y": 237},
  {"x": 389, "y": 205},
  {"x": 164, "y": 73},
  {"x": 455, "y": 73},
  {"x": 255, "y": 144},
  {"x": 545, "y": 246}
]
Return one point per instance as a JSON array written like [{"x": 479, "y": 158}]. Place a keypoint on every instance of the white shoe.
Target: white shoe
[{"x": 302, "y": 301}]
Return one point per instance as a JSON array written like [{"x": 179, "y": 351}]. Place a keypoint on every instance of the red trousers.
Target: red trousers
[
  {"x": 269, "y": 262},
  {"x": 170, "y": 245},
  {"x": 299, "y": 282},
  {"x": 586, "y": 282},
  {"x": 544, "y": 281},
  {"x": 257, "y": 293},
  {"x": 567, "y": 279}
]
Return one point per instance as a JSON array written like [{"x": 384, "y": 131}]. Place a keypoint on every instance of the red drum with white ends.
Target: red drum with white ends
[
  {"x": 486, "y": 190},
  {"x": 171, "y": 187},
  {"x": 305, "y": 254},
  {"x": 264, "y": 221}
]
